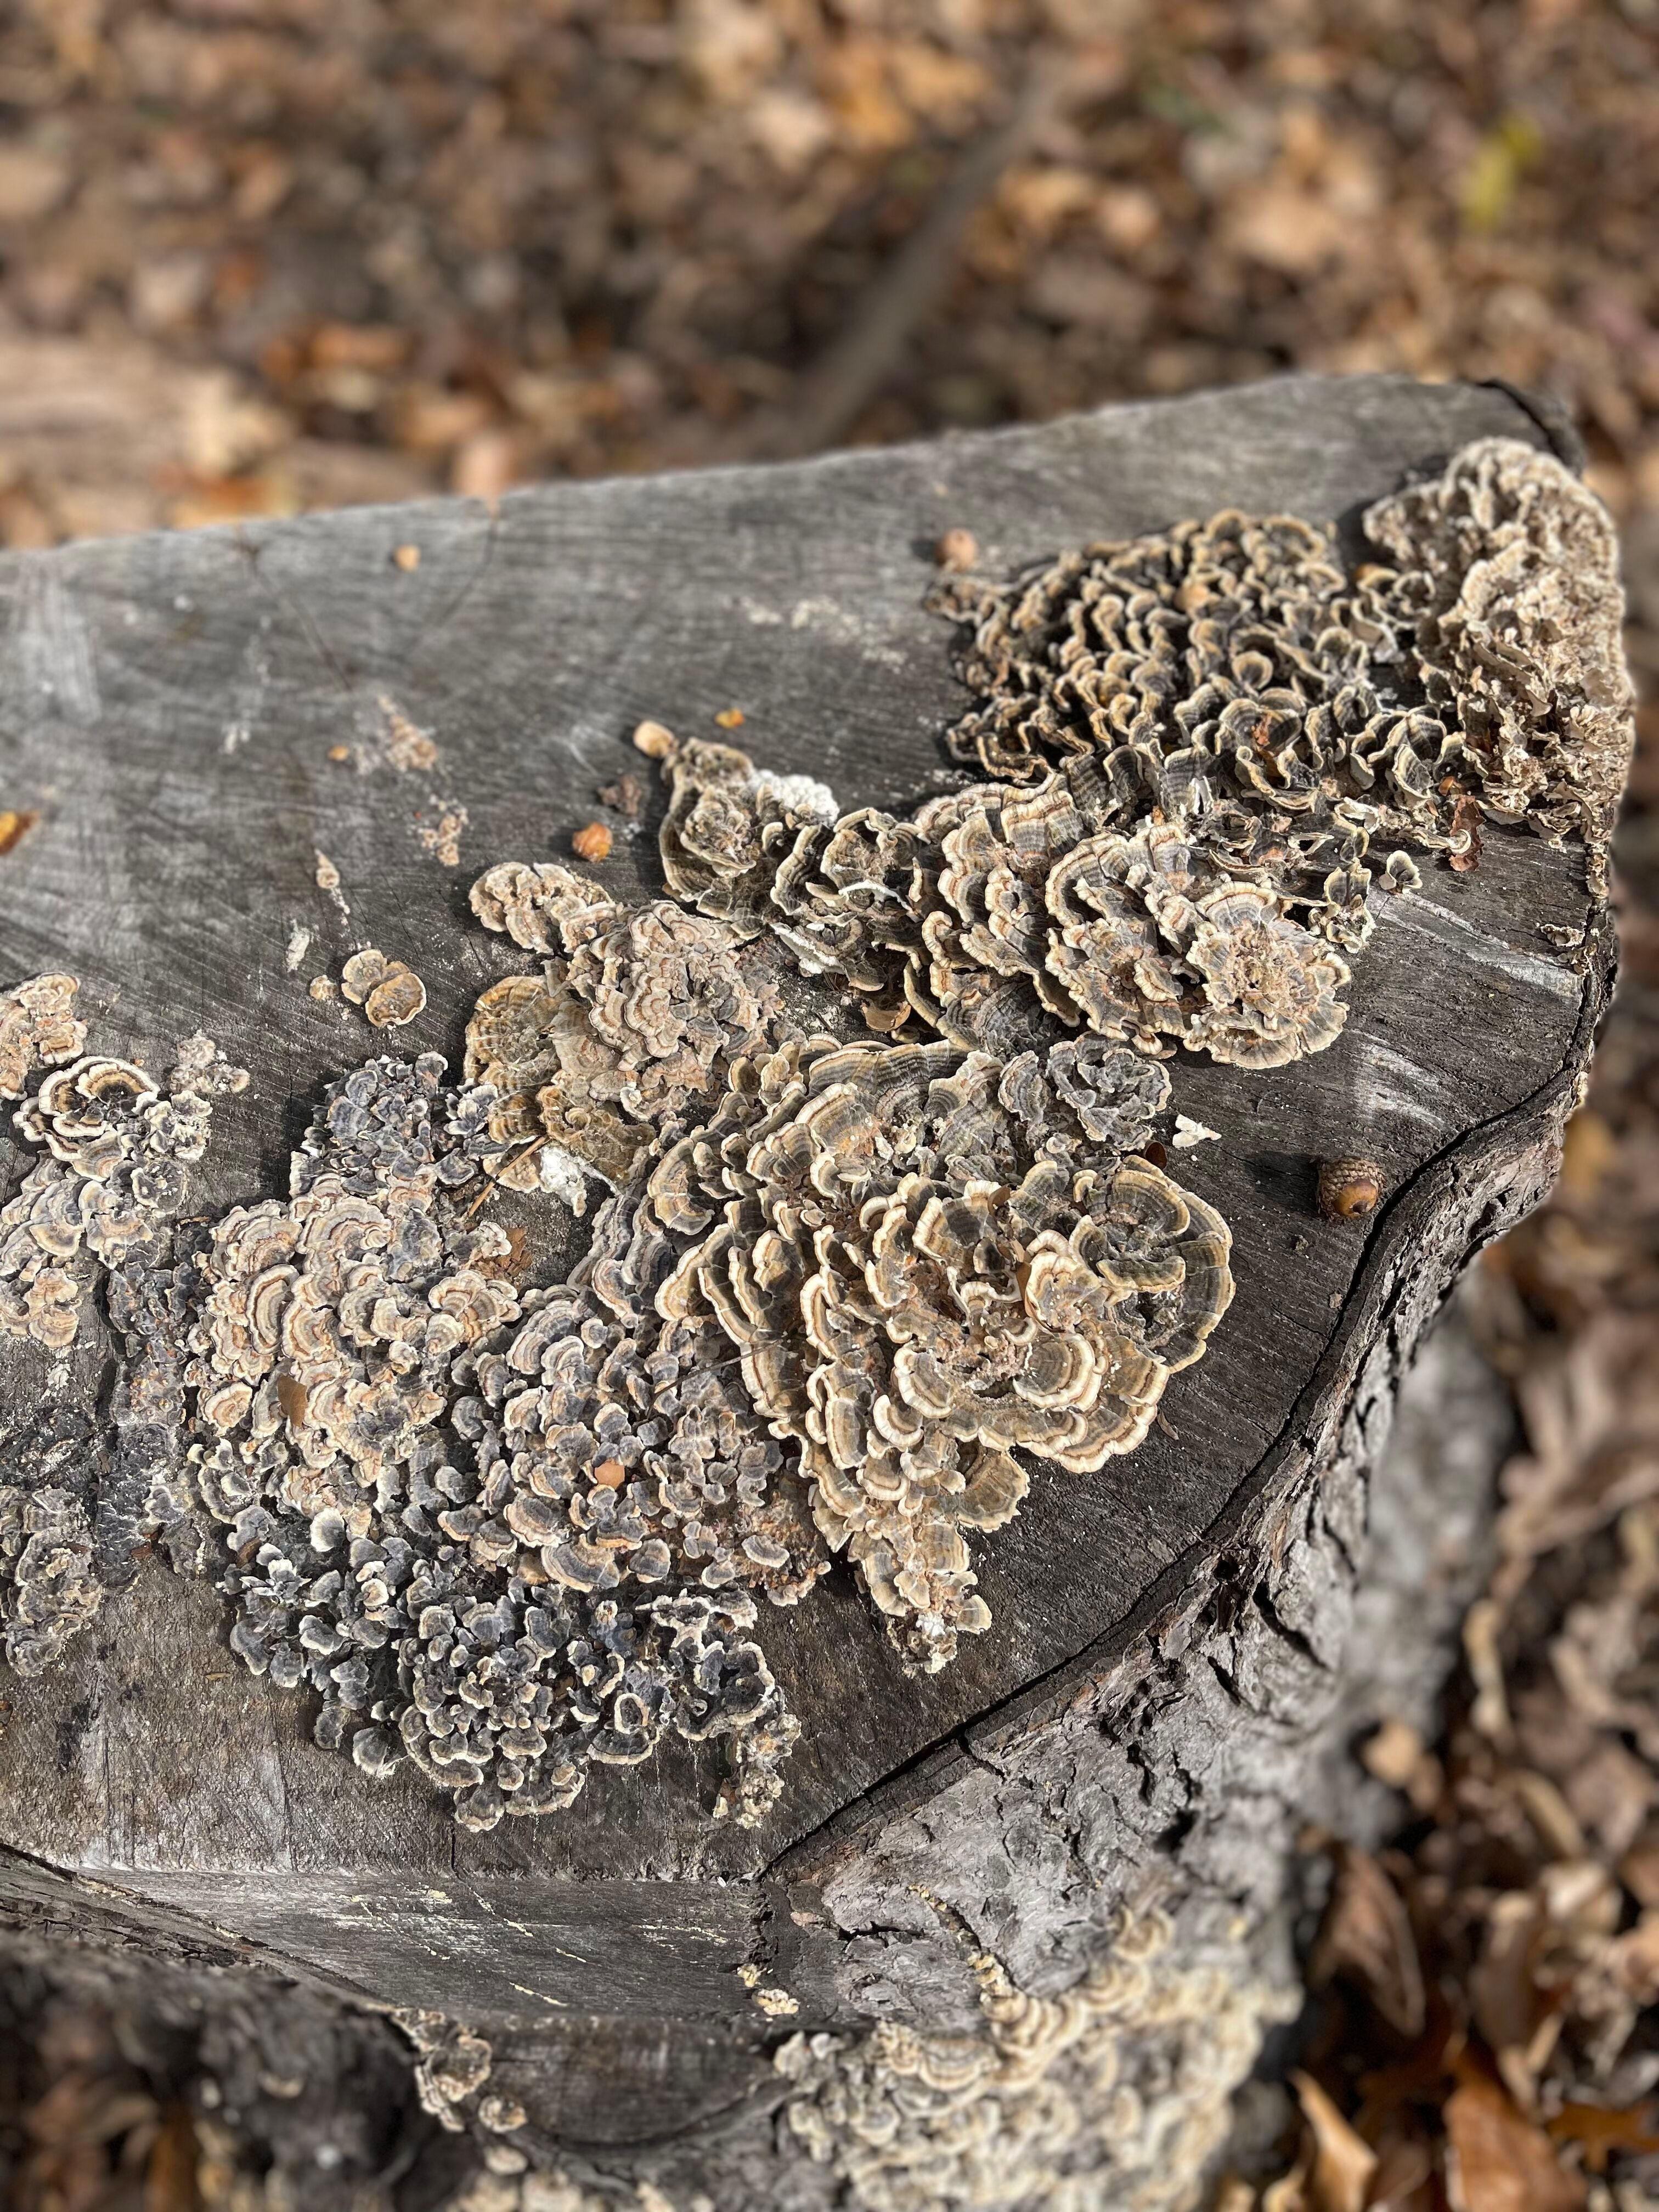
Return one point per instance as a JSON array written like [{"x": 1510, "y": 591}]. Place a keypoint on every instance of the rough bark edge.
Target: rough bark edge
[{"x": 1108, "y": 1673}]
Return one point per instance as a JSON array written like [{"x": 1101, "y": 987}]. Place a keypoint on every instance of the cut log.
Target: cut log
[{"x": 1104, "y": 1783}]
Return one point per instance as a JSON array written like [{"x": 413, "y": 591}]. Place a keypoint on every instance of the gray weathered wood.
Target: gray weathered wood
[{"x": 167, "y": 704}]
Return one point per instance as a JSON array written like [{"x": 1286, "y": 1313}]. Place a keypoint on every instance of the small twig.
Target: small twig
[{"x": 838, "y": 389}]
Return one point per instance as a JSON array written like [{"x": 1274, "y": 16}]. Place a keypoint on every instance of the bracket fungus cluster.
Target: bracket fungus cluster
[
  {"x": 1204, "y": 751},
  {"x": 927, "y": 1263},
  {"x": 841, "y": 1299},
  {"x": 389, "y": 992},
  {"x": 1118, "y": 2090},
  {"x": 38, "y": 1028},
  {"x": 447, "y": 1501},
  {"x": 109, "y": 1182},
  {"x": 636, "y": 1013},
  {"x": 98, "y": 1208},
  {"x": 511, "y": 1534}
]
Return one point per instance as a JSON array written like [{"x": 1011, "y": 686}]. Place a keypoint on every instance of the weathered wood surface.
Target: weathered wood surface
[{"x": 167, "y": 704}]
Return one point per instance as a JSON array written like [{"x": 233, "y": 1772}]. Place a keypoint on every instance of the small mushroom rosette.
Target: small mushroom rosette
[
  {"x": 930, "y": 1267},
  {"x": 635, "y": 1016}
]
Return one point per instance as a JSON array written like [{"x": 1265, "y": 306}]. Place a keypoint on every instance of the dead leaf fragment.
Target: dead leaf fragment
[
  {"x": 1498, "y": 2160},
  {"x": 1397, "y": 1756},
  {"x": 171, "y": 2177},
  {"x": 626, "y": 796},
  {"x": 1365, "y": 1940},
  {"x": 1342, "y": 2163},
  {"x": 1633, "y": 1960},
  {"x": 1601, "y": 2132},
  {"x": 32, "y": 182},
  {"x": 1639, "y": 1870}
]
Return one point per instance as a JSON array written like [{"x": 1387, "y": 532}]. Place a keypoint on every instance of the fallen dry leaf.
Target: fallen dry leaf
[
  {"x": 1366, "y": 1939},
  {"x": 1499, "y": 2161},
  {"x": 1342, "y": 2164},
  {"x": 170, "y": 2177},
  {"x": 1600, "y": 2131},
  {"x": 1633, "y": 1960}
]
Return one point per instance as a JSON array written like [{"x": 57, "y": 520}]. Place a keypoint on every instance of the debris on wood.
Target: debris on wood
[
  {"x": 1349, "y": 1189},
  {"x": 592, "y": 841},
  {"x": 956, "y": 550},
  {"x": 1188, "y": 1133},
  {"x": 626, "y": 796},
  {"x": 654, "y": 741},
  {"x": 403, "y": 744},
  {"x": 1463, "y": 841},
  {"x": 442, "y": 838}
]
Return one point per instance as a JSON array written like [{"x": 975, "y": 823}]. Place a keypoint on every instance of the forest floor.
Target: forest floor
[{"x": 258, "y": 256}]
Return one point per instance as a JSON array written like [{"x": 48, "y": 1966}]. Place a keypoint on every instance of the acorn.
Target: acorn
[{"x": 1349, "y": 1190}]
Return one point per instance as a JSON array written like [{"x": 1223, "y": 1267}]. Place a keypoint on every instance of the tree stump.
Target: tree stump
[{"x": 1043, "y": 1886}]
